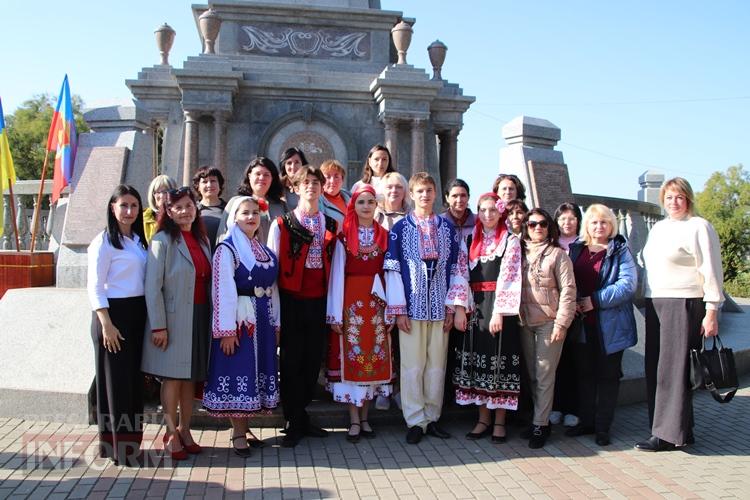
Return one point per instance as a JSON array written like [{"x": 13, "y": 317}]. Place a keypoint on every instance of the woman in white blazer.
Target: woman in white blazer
[{"x": 178, "y": 279}]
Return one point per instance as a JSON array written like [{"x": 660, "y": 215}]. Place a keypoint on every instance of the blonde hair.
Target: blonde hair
[
  {"x": 329, "y": 166},
  {"x": 682, "y": 186},
  {"x": 405, "y": 204},
  {"x": 598, "y": 210},
  {"x": 159, "y": 182}
]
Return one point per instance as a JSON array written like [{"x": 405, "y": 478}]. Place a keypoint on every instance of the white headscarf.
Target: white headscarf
[{"x": 239, "y": 239}]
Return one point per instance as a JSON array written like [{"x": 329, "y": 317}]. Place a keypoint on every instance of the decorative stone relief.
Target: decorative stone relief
[
  {"x": 317, "y": 148},
  {"x": 305, "y": 42}
]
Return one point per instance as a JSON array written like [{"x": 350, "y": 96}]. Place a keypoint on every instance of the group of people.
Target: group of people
[{"x": 240, "y": 303}]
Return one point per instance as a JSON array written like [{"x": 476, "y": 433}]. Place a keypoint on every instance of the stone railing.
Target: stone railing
[{"x": 25, "y": 194}]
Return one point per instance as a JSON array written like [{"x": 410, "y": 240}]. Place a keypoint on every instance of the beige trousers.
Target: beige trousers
[
  {"x": 423, "y": 356},
  {"x": 541, "y": 356}
]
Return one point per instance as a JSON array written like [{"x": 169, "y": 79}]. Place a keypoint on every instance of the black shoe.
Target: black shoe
[
  {"x": 354, "y": 438},
  {"x": 539, "y": 435},
  {"x": 654, "y": 444},
  {"x": 315, "y": 431},
  {"x": 499, "y": 439},
  {"x": 479, "y": 435},
  {"x": 435, "y": 431},
  {"x": 367, "y": 434},
  {"x": 414, "y": 435},
  {"x": 254, "y": 442},
  {"x": 240, "y": 452},
  {"x": 579, "y": 430},
  {"x": 602, "y": 438},
  {"x": 291, "y": 439}
]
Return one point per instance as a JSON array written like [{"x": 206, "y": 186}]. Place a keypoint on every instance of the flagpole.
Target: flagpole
[
  {"x": 38, "y": 204},
  {"x": 13, "y": 216}
]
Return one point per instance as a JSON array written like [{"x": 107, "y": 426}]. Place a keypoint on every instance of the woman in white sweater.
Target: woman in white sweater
[{"x": 683, "y": 294}]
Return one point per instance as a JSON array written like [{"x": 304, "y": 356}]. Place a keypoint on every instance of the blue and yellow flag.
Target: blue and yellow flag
[{"x": 7, "y": 172}]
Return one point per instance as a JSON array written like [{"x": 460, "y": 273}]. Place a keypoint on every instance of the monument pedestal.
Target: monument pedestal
[{"x": 25, "y": 269}]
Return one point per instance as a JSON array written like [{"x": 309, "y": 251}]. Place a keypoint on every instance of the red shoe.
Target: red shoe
[
  {"x": 181, "y": 454},
  {"x": 193, "y": 449}
]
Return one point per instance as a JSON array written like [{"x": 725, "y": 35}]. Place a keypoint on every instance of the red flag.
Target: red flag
[{"x": 62, "y": 139}]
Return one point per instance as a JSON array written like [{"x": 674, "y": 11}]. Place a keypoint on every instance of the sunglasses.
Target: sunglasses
[
  {"x": 542, "y": 223},
  {"x": 179, "y": 192}
]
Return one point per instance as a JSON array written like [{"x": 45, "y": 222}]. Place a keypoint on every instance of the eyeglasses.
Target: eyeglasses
[
  {"x": 179, "y": 192},
  {"x": 542, "y": 223}
]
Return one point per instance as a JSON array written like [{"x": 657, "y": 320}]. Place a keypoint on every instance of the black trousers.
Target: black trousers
[
  {"x": 598, "y": 381},
  {"x": 119, "y": 381},
  {"x": 302, "y": 343},
  {"x": 566, "y": 379},
  {"x": 673, "y": 327}
]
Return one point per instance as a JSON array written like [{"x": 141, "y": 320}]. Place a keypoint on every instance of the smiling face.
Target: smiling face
[
  {"x": 183, "y": 213},
  {"x": 292, "y": 165},
  {"x": 423, "y": 196},
  {"x": 599, "y": 229},
  {"x": 515, "y": 217},
  {"x": 538, "y": 228},
  {"x": 488, "y": 214},
  {"x": 334, "y": 181},
  {"x": 394, "y": 194},
  {"x": 125, "y": 209},
  {"x": 365, "y": 208},
  {"x": 309, "y": 189},
  {"x": 378, "y": 162},
  {"x": 568, "y": 224},
  {"x": 458, "y": 200},
  {"x": 208, "y": 187},
  {"x": 506, "y": 190},
  {"x": 260, "y": 180},
  {"x": 675, "y": 203},
  {"x": 247, "y": 217},
  {"x": 160, "y": 196}
]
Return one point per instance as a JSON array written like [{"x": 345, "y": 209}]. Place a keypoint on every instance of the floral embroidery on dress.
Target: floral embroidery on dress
[{"x": 427, "y": 227}]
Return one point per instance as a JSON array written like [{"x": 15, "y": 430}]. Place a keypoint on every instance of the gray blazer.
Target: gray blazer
[{"x": 170, "y": 285}]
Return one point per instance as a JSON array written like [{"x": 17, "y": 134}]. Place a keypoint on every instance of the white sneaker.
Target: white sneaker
[
  {"x": 571, "y": 420},
  {"x": 397, "y": 400},
  {"x": 382, "y": 403},
  {"x": 555, "y": 417}
]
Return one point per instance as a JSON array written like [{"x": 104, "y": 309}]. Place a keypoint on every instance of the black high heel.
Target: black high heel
[
  {"x": 241, "y": 452},
  {"x": 479, "y": 435},
  {"x": 499, "y": 439}
]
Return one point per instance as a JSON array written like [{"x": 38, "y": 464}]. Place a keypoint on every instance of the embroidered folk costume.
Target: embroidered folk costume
[
  {"x": 359, "y": 360},
  {"x": 246, "y": 305},
  {"x": 487, "y": 368},
  {"x": 426, "y": 272}
]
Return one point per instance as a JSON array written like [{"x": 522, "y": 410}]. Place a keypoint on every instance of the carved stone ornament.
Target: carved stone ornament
[
  {"x": 209, "y": 23},
  {"x": 436, "y": 51},
  {"x": 401, "y": 34},
  {"x": 164, "y": 40},
  {"x": 320, "y": 43}
]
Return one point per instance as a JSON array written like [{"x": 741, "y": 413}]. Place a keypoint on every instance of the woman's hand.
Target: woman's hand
[
  {"x": 448, "y": 322},
  {"x": 710, "y": 324},
  {"x": 160, "y": 339},
  {"x": 584, "y": 304},
  {"x": 558, "y": 333},
  {"x": 459, "y": 319},
  {"x": 337, "y": 329},
  {"x": 228, "y": 344},
  {"x": 403, "y": 323},
  {"x": 496, "y": 324},
  {"x": 111, "y": 337}
]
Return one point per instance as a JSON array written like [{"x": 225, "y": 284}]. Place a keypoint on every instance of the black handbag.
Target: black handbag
[{"x": 713, "y": 369}]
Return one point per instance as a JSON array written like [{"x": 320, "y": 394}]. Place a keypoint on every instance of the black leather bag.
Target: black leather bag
[{"x": 713, "y": 369}]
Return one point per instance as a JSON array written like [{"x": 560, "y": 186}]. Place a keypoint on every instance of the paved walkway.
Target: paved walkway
[{"x": 39, "y": 459}]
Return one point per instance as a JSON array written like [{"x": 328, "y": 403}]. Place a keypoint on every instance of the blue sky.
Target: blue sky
[{"x": 633, "y": 85}]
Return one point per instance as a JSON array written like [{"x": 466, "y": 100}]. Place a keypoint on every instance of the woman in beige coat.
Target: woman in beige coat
[
  {"x": 548, "y": 304},
  {"x": 178, "y": 278}
]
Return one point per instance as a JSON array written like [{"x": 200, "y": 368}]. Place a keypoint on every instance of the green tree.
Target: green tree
[
  {"x": 28, "y": 127},
  {"x": 725, "y": 202}
]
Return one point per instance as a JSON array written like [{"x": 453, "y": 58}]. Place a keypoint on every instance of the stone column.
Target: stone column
[
  {"x": 190, "y": 155},
  {"x": 391, "y": 139},
  {"x": 448, "y": 154},
  {"x": 417, "y": 145},
  {"x": 220, "y": 141}
]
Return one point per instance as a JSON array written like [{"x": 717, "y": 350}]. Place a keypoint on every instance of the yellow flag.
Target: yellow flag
[{"x": 7, "y": 172}]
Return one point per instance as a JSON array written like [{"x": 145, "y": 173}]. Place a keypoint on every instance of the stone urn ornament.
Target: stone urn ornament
[
  {"x": 401, "y": 34},
  {"x": 436, "y": 51},
  {"x": 164, "y": 40},
  {"x": 209, "y": 23}
]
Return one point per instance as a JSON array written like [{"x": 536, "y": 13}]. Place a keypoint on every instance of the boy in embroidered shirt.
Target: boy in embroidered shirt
[
  {"x": 303, "y": 240},
  {"x": 426, "y": 280}
]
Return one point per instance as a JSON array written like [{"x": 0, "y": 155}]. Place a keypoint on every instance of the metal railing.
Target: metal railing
[{"x": 26, "y": 195}]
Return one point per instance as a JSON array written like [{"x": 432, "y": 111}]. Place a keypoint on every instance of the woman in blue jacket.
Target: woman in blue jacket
[{"x": 606, "y": 281}]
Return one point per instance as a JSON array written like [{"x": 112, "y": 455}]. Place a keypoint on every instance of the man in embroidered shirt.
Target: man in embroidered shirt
[
  {"x": 426, "y": 277},
  {"x": 303, "y": 240}
]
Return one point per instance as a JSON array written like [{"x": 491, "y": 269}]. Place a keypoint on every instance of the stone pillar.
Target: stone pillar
[
  {"x": 417, "y": 145},
  {"x": 190, "y": 155},
  {"x": 650, "y": 181},
  {"x": 448, "y": 154},
  {"x": 391, "y": 139},
  {"x": 220, "y": 141}
]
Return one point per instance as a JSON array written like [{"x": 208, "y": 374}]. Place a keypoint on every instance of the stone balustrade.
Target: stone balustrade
[{"x": 25, "y": 194}]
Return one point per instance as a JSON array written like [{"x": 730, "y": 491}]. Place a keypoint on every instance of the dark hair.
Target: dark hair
[
  {"x": 520, "y": 189},
  {"x": 454, "y": 183},
  {"x": 514, "y": 204},
  {"x": 166, "y": 224},
  {"x": 553, "y": 233},
  {"x": 367, "y": 171},
  {"x": 208, "y": 171},
  {"x": 113, "y": 228},
  {"x": 275, "y": 190},
  {"x": 306, "y": 170},
  {"x": 569, "y": 207},
  {"x": 285, "y": 180}
]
